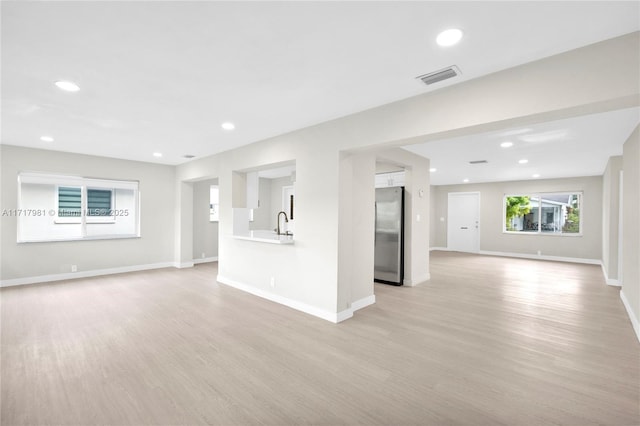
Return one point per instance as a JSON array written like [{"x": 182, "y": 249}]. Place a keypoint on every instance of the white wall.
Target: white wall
[
  {"x": 492, "y": 239},
  {"x": 155, "y": 246},
  {"x": 434, "y": 219},
  {"x": 610, "y": 217},
  {"x": 356, "y": 229},
  {"x": 631, "y": 224},
  {"x": 303, "y": 273},
  {"x": 307, "y": 274},
  {"x": 357, "y": 222},
  {"x": 183, "y": 220},
  {"x": 205, "y": 232}
]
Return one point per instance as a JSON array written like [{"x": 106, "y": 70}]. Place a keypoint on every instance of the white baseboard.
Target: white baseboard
[
  {"x": 413, "y": 283},
  {"x": 609, "y": 281},
  {"x": 334, "y": 317},
  {"x": 542, "y": 257},
  {"x": 530, "y": 256},
  {"x": 343, "y": 315},
  {"x": 205, "y": 260},
  {"x": 363, "y": 303},
  {"x": 180, "y": 265},
  {"x": 83, "y": 274},
  {"x": 632, "y": 316}
]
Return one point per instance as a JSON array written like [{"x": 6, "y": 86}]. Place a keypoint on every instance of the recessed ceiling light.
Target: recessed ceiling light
[
  {"x": 46, "y": 138},
  {"x": 228, "y": 126},
  {"x": 433, "y": 169},
  {"x": 536, "y": 175},
  {"x": 466, "y": 180},
  {"x": 157, "y": 154},
  {"x": 523, "y": 161},
  {"x": 67, "y": 86},
  {"x": 506, "y": 144},
  {"x": 449, "y": 37}
]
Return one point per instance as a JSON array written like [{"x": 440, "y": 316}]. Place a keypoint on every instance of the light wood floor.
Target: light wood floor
[{"x": 488, "y": 341}]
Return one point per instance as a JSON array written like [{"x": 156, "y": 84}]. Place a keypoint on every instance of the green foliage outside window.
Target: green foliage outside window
[
  {"x": 572, "y": 222},
  {"x": 516, "y": 207}
]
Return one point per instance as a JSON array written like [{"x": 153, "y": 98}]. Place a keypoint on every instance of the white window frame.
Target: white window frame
[
  {"x": 84, "y": 207},
  {"x": 214, "y": 216},
  {"x": 61, "y": 220},
  {"x": 102, "y": 219},
  {"x": 84, "y": 183},
  {"x": 540, "y": 195}
]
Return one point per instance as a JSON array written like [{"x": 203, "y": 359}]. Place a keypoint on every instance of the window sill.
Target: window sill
[
  {"x": 67, "y": 221},
  {"x": 543, "y": 234},
  {"x": 92, "y": 238},
  {"x": 100, "y": 222},
  {"x": 106, "y": 220}
]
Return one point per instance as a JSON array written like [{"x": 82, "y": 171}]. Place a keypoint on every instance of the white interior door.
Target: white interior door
[{"x": 463, "y": 230}]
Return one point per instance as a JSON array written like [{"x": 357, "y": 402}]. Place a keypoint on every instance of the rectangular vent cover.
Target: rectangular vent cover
[
  {"x": 436, "y": 76},
  {"x": 478, "y": 162}
]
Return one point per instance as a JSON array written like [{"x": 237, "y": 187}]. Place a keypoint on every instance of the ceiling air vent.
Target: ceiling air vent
[
  {"x": 436, "y": 76},
  {"x": 478, "y": 162},
  {"x": 188, "y": 156}
]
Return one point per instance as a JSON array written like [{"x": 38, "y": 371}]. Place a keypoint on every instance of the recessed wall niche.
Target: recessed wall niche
[{"x": 260, "y": 194}]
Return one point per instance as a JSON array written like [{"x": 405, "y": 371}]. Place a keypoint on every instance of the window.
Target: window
[
  {"x": 69, "y": 201},
  {"x": 99, "y": 202},
  {"x": 59, "y": 208},
  {"x": 214, "y": 204},
  {"x": 552, "y": 213}
]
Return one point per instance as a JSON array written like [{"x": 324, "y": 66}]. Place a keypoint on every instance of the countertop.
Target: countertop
[{"x": 265, "y": 236}]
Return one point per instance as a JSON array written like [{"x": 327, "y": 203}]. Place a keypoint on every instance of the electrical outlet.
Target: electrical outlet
[
  {"x": 273, "y": 282},
  {"x": 203, "y": 255},
  {"x": 74, "y": 268},
  {"x": 539, "y": 253},
  {"x": 417, "y": 218}
]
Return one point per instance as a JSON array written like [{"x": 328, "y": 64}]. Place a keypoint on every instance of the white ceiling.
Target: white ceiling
[
  {"x": 578, "y": 146},
  {"x": 163, "y": 76}
]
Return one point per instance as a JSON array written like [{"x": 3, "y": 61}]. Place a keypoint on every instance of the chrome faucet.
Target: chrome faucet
[{"x": 285, "y": 219}]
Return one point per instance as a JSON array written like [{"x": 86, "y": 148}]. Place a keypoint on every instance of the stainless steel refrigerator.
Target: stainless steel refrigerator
[{"x": 389, "y": 239}]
